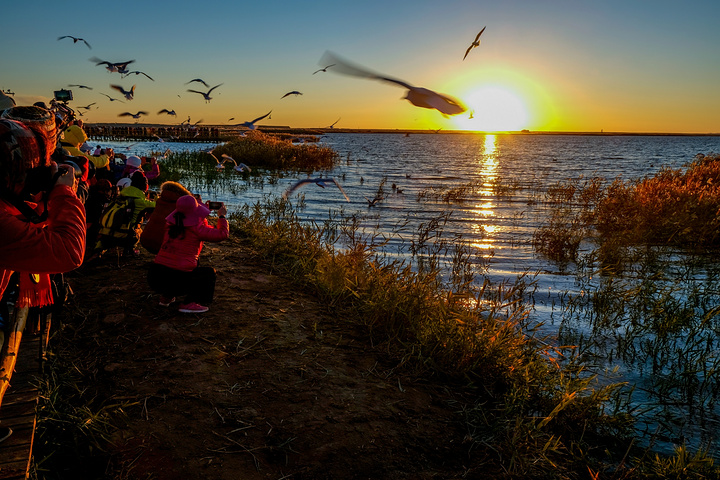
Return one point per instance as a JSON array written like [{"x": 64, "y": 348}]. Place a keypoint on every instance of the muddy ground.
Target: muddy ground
[{"x": 269, "y": 384}]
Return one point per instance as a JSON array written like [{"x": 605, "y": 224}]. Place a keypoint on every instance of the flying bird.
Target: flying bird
[
  {"x": 169, "y": 112},
  {"x": 129, "y": 94},
  {"x": 239, "y": 166},
  {"x": 336, "y": 121},
  {"x": 420, "y": 97},
  {"x": 111, "y": 98},
  {"x": 137, "y": 72},
  {"x": 251, "y": 124},
  {"x": 133, "y": 115},
  {"x": 323, "y": 69},
  {"x": 120, "y": 67},
  {"x": 294, "y": 92},
  {"x": 75, "y": 40},
  {"x": 320, "y": 182},
  {"x": 80, "y": 86},
  {"x": 206, "y": 95},
  {"x": 475, "y": 43},
  {"x": 87, "y": 107},
  {"x": 199, "y": 80}
]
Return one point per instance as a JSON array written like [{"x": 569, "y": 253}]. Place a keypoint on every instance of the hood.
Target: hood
[
  {"x": 173, "y": 190},
  {"x": 74, "y": 135}
]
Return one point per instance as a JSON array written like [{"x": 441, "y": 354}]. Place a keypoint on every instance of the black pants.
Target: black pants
[{"x": 197, "y": 286}]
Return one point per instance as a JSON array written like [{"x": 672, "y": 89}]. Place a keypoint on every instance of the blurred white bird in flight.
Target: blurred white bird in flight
[
  {"x": 320, "y": 182},
  {"x": 418, "y": 96}
]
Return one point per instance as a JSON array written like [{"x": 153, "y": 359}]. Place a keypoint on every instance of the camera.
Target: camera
[
  {"x": 215, "y": 205},
  {"x": 63, "y": 95}
]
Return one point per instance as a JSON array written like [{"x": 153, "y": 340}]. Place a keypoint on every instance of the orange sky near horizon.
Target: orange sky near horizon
[{"x": 555, "y": 66}]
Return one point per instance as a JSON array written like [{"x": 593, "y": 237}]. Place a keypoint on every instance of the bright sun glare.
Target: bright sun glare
[{"x": 492, "y": 109}]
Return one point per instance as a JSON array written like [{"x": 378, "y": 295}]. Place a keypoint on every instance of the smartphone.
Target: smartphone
[{"x": 215, "y": 205}]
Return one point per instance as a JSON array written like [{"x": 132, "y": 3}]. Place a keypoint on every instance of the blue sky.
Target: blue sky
[{"x": 542, "y": 65}]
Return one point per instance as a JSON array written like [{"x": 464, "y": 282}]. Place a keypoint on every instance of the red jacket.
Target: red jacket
[
  {"x": 54, "y": 246},
  {"x": 153, "y": 232},
  {"x": 182, "y": 253}
]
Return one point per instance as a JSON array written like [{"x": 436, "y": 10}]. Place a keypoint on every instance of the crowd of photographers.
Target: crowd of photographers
[{"x": 61, "y": 205}]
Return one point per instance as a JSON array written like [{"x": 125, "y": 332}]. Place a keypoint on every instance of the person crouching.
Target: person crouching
[{"x": 175, "y": 270}]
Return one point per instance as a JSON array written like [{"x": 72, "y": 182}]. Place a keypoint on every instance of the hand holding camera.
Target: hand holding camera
[
  {"x": 218, "y": 206},
  {"x": 67, "y": 175}
]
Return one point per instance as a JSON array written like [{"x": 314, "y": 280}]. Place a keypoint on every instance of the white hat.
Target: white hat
[
  {"x": 133, "y": 161},
  {"x": 123, "y": 182}
]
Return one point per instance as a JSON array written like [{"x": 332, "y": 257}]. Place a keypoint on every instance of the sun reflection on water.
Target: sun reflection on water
[{"x": 487, "y": 175}]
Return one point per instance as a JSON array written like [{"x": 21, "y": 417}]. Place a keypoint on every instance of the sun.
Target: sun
[{"x": 492, "y": 109}]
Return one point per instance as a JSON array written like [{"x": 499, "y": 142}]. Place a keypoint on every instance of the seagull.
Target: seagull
[
  {"x": 239, "y": 166},
  {"x": 120, "y": 67},
  {"x": 134, "y": 115},
  {"x": 336, "y": 121},
  {"x": 200, "y": 80},
  {"x": 158, "y": 138},
  {"x": 320, "y": 182},
  {"x": 475, "y": 43},
  {"x": 137, "y": 72},
  {"x": 169, "y": 112},
  {"x": 75, "y": 40},
  {"x": 129, "y": 94},
  {"x": 294, "y": 92},
  {"x": 251, "y": 125},
  {"x": 420, "y": 97},
  {"x": 80, "y": 86},
  {"x": 206, "y": 96},
  {"x": 112, "y": 99},
  {"x": 323, "y": 69},
  {"x": 87, "y": 107}
]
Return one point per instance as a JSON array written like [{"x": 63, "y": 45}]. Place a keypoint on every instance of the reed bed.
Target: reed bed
[{"x": 530, "y": 410}]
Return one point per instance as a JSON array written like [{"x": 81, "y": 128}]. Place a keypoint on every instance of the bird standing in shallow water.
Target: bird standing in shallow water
[{"x": 475, "y": 43}]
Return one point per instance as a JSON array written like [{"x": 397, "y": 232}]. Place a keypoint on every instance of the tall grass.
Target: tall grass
[{"x": 530, "y": 413}]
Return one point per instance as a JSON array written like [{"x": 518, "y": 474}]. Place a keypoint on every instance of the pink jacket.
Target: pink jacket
[{"x": 182, "y": 253}]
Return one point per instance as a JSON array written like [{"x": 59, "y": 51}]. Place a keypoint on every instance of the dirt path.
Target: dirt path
[{"x": 268, "y": 384}]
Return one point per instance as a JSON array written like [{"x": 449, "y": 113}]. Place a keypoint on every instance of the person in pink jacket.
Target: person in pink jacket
[{"x": 175, "y": 270}]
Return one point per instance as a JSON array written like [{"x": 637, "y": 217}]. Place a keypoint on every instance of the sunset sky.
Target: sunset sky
[{"x": 558, "y": 65}]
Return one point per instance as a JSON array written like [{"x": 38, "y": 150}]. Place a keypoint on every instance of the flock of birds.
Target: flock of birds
[{"x": 418, "y": 96}]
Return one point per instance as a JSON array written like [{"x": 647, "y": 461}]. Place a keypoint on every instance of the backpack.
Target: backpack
[{"x": 118, "y": 220}]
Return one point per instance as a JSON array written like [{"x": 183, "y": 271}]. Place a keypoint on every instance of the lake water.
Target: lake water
[{"x": 498, "y": 227}]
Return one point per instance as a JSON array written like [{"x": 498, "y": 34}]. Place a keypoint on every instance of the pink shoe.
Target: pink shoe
[{"x": 192, "y": 308}]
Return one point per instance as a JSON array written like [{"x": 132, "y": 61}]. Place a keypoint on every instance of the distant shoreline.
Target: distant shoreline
[{"x": 320, "y": 131}]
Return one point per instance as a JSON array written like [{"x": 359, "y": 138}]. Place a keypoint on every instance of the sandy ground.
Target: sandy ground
[{"x": 269, "y": 384}]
